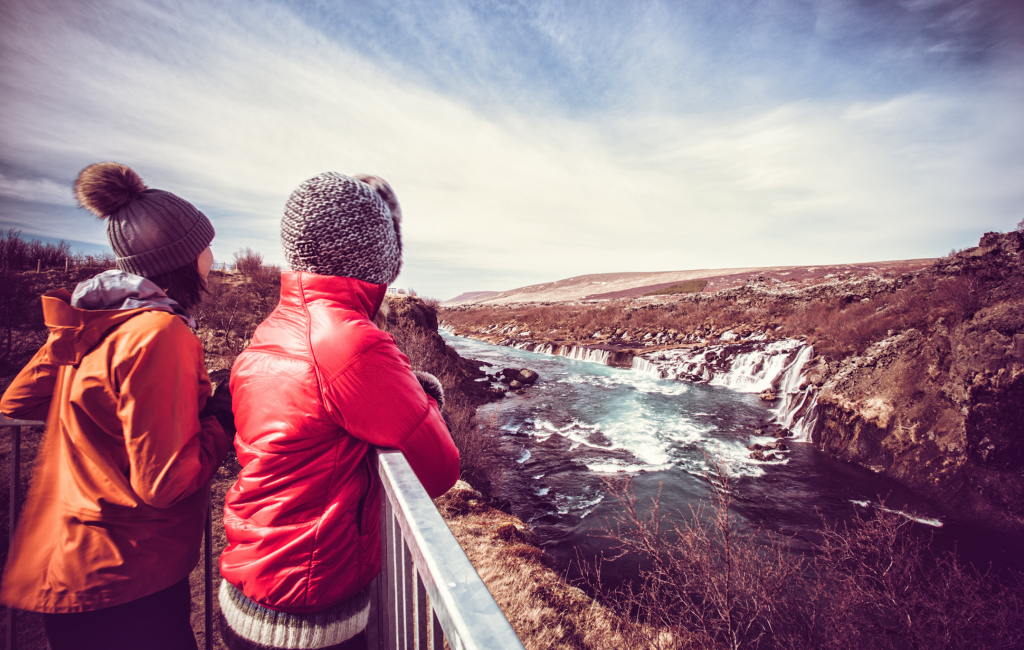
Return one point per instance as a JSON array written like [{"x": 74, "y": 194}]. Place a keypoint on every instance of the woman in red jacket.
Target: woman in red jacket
[{"x": 316, "y": 392}]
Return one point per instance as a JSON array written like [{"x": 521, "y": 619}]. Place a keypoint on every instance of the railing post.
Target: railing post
[
  {"x": 12, "y": 521},
  {"x": 208, "y": 569}
]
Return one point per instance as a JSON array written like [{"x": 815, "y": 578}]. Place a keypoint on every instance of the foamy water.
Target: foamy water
[{"x": 583, "y": 423}]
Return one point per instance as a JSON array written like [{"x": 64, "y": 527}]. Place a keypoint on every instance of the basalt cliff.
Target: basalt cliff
[{"x": 917, "y": 375}]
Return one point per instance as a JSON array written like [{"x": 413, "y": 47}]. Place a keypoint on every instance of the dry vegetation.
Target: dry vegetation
[
  {"x": 837, "y": 326},
  {"x": 712, "y": 583}
]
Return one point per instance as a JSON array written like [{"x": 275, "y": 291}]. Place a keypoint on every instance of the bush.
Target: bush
[
  {"x": 709, "y": 582},
  {"x": 409, "y": 323},
  {"x": 248, "y": 262}
]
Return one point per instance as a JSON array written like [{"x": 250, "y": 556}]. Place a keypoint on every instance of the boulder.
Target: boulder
[
  {"x": 528, "y": 376},
  {"x": 757, "y": 455},
  {"x": 768, "y": 396},
  {"x": 515, "y": 384}
]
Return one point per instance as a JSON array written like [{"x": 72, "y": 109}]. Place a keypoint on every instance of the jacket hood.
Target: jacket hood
[
  {"x": 122, "y": 290},
  {"x": 362, "y": 297},
  {"x": 77, "y": 322}
]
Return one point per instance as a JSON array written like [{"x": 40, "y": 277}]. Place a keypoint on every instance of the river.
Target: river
[{"x": 583, "y": 422}]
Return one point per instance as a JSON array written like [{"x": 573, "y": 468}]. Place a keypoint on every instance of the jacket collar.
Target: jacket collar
[{"x": 299, "y": 287}]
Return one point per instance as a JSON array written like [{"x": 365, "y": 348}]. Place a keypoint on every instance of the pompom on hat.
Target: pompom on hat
[
  {"x": 348, "y": 226},
  {"x": 151, "y": 231}
]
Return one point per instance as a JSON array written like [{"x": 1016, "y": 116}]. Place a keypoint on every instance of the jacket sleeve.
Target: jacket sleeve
[
  {"x": 164, "y": 385},
  {"x": 28, "y": 397},
  {"x": 377, "y": 399}
]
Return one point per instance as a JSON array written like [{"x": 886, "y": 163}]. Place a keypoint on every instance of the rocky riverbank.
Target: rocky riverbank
[{"x": 918, "y": 377}]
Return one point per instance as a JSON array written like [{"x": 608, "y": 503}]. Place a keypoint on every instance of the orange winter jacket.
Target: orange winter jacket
[{"x": 118, "y": 497}]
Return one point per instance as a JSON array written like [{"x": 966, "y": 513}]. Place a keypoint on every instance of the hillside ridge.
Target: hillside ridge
[{"x": 607, "y": 286}]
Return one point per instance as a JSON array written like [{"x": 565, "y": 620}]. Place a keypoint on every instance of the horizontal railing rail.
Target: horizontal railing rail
[{"x": 422, "y": 560}]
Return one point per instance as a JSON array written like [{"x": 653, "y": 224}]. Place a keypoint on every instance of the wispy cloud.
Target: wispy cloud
[
  {"x": 39, "y": 190},
  {"x": 233, "y": 105}
]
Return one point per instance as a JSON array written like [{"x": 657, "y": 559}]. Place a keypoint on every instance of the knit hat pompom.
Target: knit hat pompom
[{"x": 105, "y": 188}]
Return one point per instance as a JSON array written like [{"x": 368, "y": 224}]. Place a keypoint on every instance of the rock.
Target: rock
[
  {"x": 757, "y": 455},
  {"x": 528, "y": 376},
  {"x": 755, "y": 447},
  {"x": 768, "y": 396},
  {"x": 782, "y": 433},
  {"x": 515, "y": 385},
  {"x": 780, "y": 446},
  {"x": 509, "y": 532}
]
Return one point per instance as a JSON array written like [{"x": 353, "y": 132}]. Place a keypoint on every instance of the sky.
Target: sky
[{"x": 533, "y": 141}]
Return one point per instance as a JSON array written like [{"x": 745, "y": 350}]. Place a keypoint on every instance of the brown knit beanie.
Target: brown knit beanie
[
  {"x": 346, "y": 226},
  {"x": 151, "y": 231}
]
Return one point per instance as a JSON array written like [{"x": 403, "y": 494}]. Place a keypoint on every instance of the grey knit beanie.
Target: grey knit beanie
[
  {"x": 151, "y": 231},
  {"x": 342, "y": 225}
]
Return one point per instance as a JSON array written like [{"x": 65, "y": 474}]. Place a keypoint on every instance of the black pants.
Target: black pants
[{"x": 160, "y": 621}]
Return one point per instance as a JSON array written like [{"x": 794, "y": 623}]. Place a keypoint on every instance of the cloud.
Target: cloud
[
  {"x": 233, "y": 109},
  {"x": 38, "y": 190}
]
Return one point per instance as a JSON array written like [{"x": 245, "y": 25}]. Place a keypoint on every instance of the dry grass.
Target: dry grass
[
  {"x": 690, "y": 286},
  {"x": 544, "y": 610},
  {"x": 709, "y": 582}
]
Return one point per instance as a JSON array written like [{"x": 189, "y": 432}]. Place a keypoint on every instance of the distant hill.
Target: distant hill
[
  {"x": 604, "y": 286},
  {"x": 468, "y": 297}
]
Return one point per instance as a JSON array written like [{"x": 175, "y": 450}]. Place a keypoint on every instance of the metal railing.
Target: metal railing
[
  {"x": 427, "y": 590},
  {"x": 421, "y": 560}
]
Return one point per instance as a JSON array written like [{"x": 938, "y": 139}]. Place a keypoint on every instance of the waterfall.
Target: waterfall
[
  {"x": 579, "y": 353},
  {"x": 776, "y": 366},
  {"x": 643, "y": 365}
]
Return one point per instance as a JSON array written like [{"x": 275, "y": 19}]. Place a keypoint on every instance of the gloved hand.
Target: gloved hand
[{"x": 431, "y": 386}]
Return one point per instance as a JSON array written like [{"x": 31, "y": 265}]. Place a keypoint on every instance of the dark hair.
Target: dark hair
[{"x": 184, "y": 285}]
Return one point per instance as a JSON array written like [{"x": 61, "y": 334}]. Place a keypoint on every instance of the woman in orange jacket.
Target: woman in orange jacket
[{"x": 112, "y": 524}]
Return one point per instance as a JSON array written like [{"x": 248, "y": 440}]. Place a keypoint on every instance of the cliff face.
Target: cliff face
[{"x": 942, "y": 409}]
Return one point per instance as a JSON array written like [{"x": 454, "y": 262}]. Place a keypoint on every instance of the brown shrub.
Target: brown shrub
[
  {"x": 711, "y": 583},
  {"x": 426, "y": 350}
]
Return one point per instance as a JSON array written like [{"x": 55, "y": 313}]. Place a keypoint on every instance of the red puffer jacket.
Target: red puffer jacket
[{"x": 319, "y": 387}]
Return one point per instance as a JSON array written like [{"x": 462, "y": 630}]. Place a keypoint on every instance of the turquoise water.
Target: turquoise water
[{"x": 584, "y": 422}]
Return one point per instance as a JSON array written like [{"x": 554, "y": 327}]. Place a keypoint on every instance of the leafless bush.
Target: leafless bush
[
  {"x": 708, "y": 580},
  {"x": 1020, "y": 226},
  {"x": 248, "y": 262},
  {"x": 871, "y": 584},
  {"x": 964, "y": 293},
  {"x": 229, "y": 315}
]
